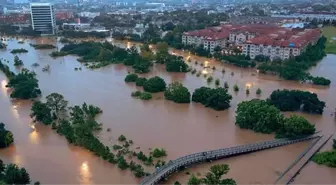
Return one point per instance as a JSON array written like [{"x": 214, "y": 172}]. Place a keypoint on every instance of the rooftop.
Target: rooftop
[
  {"x": 224, "y": 30},
  {"x": 291, "y": 38},
  {"x": 40, "y": 4},
  {"x": 264, "y": 34}
]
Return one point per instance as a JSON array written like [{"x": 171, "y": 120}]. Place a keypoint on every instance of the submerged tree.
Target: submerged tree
[
  {"x": 6, "y": 137},
  {"x": 155, "y": 84},
  {"x": 214, "y": 176},
  {"x": 41, "y": 112},
  {"x": 296, "y": 126},
  {"x": 259, "y": 116},
  {"x": 218, "y": 98},
  {"x": 177, "y": 93},
  {"x": 25, "y": 85},
  {"x": 56, "y": 103}
]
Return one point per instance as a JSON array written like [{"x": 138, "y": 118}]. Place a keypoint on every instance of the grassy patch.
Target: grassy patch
[{"x": 330, "y": 33}]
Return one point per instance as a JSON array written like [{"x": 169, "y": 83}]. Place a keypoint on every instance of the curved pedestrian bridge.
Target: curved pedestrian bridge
[{"x": 200, "y": 157}]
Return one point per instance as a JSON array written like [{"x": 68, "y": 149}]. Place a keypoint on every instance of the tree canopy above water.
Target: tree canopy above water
[
  {"x": 6, "y": 137},
  {"x": 292, "y": 100},
  {"x": 24, "y": 85},
  {"x": 218, "y": 98},
  {"x": 262, "y": 117}
]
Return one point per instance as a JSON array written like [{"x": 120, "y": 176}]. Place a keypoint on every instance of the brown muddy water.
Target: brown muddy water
[{"x": 180, "y": 129}]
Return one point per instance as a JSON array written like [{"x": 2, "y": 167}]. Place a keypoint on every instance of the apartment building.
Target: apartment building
[
  {"x": 282, "y": 44},
  {"x": 269, "y": 40},
  {"x": 43, "y": 18},
  {"x": 225, "y": 35},
  {"x": 210, "y": 38}
]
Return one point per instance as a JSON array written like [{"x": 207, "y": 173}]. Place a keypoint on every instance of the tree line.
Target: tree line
[
  {"x": 78, "y": 126},
  {"x": 217, "y": 98},
  {"x": 102, "y": 54}
]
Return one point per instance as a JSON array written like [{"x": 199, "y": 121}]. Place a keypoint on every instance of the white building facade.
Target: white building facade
[{"x": 43, "y": 18}]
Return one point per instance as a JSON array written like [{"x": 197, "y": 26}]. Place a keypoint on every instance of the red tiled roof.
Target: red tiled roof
[
  {"x": 223, "y": 31},
  {"x": 264, "y": 34},
  {"x": 297, "y": 39},
  {"x": 15, "y": 18}
]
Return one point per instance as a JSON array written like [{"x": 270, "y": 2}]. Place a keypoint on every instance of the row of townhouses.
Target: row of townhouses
[
  {"x": 320, "y": 16},
  {"x": 269, "y": 40}
]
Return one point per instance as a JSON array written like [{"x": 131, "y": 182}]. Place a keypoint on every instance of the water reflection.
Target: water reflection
[
  {"x": 34, "y": 137},
  {"x": 248, "y": 85},
  {"x": 128, "y": 45},
  {"x": 15, "y": 112},
  {"x": 206, "y": 64},
  {"x": 85, "y": 173},
  {"x": 17, "y": 159}
]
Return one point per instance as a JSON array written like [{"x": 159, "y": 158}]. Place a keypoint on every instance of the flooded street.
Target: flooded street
[{"x": 180, "y": 129}]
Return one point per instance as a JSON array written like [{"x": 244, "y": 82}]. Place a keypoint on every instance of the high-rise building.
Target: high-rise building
[{"x": 43, "y": 18}]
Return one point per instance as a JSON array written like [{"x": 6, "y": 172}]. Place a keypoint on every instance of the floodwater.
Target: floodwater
[{"x": 180, "y": 129}]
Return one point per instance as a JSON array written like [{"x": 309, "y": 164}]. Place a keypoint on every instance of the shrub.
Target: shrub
[
  {"x": 159, "y": 152},
  {"x": 121, "y": 138},
  {"x": 177, "y": 93},
  {"x": 136, "y": 93},
  {"x": 131, "y": 78},
  {"x": 218, "y": 98},
  {"x": 116, "y": 147},
  {"x": 146, "y": 96},
  {"x": 258, "y": 92},
  {"x": 217, "y": 82},
  {"x": 247, "y": 91},
  {"x": 155, "y": 84},
  {"x": 209, "y": 80},
  {"x": 226, "y": 85},
  {"x": 236, "y": 88},
  {"x": 17, "y": 61},
  {"x": 327, "y": 158}
]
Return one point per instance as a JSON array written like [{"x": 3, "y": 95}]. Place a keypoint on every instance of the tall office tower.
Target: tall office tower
[{"x": 43, "y": 18}]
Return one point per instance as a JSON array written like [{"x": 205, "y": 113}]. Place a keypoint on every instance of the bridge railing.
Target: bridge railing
[{"x": 223, "y": 152}]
